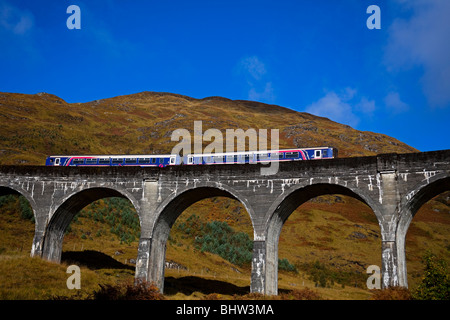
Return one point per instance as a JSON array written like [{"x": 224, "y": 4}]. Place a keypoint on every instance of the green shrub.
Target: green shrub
[
  {"x": 19, "y": 204},
  {"x": 219, "y": 238},
  {"x": 435, "y": 284},
  {"x": 118, "y": 213},
  {"x": 284, "y": 264}
]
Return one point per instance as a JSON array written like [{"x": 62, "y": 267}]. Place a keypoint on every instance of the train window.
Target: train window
[
  {"x": 317, "y": 153},
  {"x": 161, "y": 160},
  {"x": 103, "y": 161},
  {"x": 144, "y": 160},
  {"x": 78, "y": 161},
  {"x": 91, "y": 161},
  {"x": 291, "y": 155},
  {"x": 262, "y": 156},
  {"x": 130, "y": 160},
  {"x": 218, "y": 159},
  {"x": 117, "y": 160},
  {"x": 207, "y": 159},
  {"x": 153, "y": 160}
]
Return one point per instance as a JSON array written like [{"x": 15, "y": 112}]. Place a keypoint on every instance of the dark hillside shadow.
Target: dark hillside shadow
[
  {"x": 93, "y": 260},
  {"x": 190, "y": 284}
]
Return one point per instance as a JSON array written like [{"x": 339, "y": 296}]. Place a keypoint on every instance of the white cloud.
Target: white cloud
[
  {"x": 334, "y": 107},
  {"x": 366, "y": 106},
  {"x": 266, "y": 95},
  {"x": 394, "y": 103},
  {"x": 423, "y": 41},
  {"x": 253, "y": 66},
  {"x": 13, "y": 20},
  {"x": 255, "y": 73},
  {"x": 344, "y": 107}
]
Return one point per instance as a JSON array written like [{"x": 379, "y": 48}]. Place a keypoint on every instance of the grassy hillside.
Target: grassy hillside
[
  {"x": 331, "y": 260},
  {"x": 325, "y": 245},
  {"x": 34, "y": 126}
]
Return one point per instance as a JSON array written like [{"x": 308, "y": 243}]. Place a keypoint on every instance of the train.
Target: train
[{"x": 165, "y": 160}]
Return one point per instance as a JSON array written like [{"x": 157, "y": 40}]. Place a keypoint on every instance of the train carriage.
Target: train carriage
[{"x": 263, "y": 156}]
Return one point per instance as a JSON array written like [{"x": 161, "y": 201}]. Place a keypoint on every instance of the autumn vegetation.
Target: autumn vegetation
[{"x": 325, "y": 245}]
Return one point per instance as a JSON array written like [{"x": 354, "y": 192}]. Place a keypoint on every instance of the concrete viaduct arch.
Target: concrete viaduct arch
[
  {"x": 285, "y": 205},
  {"x": 411, "y": 203},
  {"x": 393, "y": 185},
  {"x": 65, "y": 210},
  {"x": 167, "y": 213}
]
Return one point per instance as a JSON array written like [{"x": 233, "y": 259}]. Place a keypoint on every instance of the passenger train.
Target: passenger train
[{"x": 193, "y": 159}]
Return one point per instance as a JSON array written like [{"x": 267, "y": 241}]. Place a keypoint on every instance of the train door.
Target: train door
[
  {"x": 318, "y": 154},
  {"x": 173, "y": 160},
  {"x": 57, "y": 162},
  {"x": 190, "y": 160}
]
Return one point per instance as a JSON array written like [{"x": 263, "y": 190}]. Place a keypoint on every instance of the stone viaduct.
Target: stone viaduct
[{"x": 394, "y": 186}]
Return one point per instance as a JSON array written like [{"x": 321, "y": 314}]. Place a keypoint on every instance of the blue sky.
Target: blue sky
[{"x": 314, "y": 56}]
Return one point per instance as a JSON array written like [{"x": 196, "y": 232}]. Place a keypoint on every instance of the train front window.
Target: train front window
[{"x": 291, "y": 155}]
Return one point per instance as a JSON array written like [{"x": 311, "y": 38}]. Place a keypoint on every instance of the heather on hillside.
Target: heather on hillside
[
  {"x": 219, "y": 238},
  {"x": 39, "y": 125},
  {"x": 119, "y": 214}
]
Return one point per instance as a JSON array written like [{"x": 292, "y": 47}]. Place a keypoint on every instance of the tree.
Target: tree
[{"x": 435, "y": 284}]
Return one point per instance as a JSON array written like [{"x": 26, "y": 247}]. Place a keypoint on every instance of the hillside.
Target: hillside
[
  {"x": 34, "y": 126},
  {"x": 326, "y": 244}
]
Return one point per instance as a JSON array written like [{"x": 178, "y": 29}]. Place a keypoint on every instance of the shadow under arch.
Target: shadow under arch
[
  {"x": 438, "y": 184},
  {"x": 64, "y": 214},
  {"x": 167, "y": 217},
  {"x": 285, "y": 207}
]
